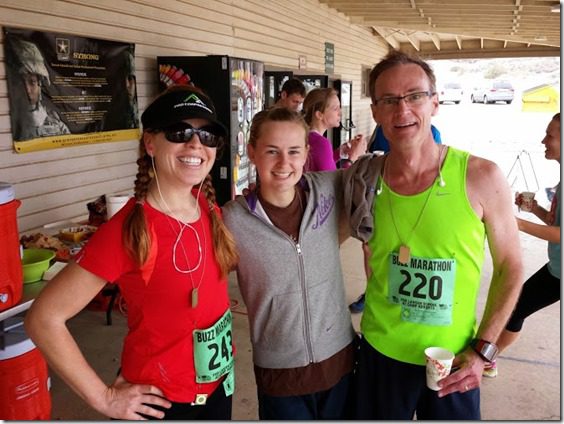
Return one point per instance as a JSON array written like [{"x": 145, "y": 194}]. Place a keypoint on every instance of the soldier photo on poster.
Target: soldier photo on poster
[{"x": 66, "y": 90}]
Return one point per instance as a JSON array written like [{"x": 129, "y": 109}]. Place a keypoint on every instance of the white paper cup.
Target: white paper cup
[
  {"x": 527, "y": 201},
  {"x": 114, "y": 203},
  {"x": 439, "y": 362}
]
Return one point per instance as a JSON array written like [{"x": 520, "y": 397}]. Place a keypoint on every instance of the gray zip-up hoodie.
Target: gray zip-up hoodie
[{"x": 294, "y": 292}]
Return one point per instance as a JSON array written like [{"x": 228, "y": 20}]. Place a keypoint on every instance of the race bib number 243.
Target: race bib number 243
[{"x": 213, "y": 350}]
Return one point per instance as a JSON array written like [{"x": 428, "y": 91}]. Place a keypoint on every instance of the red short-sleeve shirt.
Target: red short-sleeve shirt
[{"x": 158, "y": 347}]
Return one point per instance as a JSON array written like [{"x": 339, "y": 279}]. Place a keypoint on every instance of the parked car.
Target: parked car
[
  {"x": 495, "y": 91},
  {"x": 450, "y": 92}
]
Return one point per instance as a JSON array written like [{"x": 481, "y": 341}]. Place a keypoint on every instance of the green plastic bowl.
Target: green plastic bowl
[{"x": 35, "y": 262}]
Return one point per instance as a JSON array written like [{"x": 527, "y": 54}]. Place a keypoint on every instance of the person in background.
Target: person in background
[
  {"x": 322, "y": 112},
  {"x": 292, "y": 95},
  {"x": 132, "y": 110},
  {"x": 301, "y": 330},
  {"x": 34, "y": 116},
  {"x": 379, "y": 143},
  {"x": 169, "y": 252},
  {"x": 131, "y": 88},
  {"x": 542, "y": 288},
  {"x": 124, "y": 109},
  {"x": 425, "y": 266}
]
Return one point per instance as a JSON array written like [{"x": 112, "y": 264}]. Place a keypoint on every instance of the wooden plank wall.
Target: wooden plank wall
[{"x": 55, "y": 185}]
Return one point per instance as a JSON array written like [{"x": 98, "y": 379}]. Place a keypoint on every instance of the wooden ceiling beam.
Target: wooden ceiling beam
[
  {"x": 445, "y": 24},
  {"x": 436, "y": 40},
  {"x": 435, "y": 8},
  {"x": 459, "y": 17},
  {"x": 420, "y": 3},
  {"x": 447, "y": 11},
  {"x": 462, "y": 26},
  {"x": 473, "y": 53},
  {"x": 421, "y": 13},
  {"x": 414, "y": 41},
  {"x": 387, "y": 37}
]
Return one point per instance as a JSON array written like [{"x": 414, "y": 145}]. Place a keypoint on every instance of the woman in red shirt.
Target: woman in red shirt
[{"x": 169, "y": 253}]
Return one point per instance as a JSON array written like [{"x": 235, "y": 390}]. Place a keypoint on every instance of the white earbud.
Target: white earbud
[
  {"x": 441, "y": 181},
  {"x": 379, "y": 188}
]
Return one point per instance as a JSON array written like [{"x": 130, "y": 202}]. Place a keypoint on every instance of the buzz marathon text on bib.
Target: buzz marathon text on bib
[{"x": 213, "y": 350}]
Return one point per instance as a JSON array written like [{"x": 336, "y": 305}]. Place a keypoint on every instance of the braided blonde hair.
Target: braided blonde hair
[
  {"x": 135, "y": 234},
  {"x": 223, "y": 241}
]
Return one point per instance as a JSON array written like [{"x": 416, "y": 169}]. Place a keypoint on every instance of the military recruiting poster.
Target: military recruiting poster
[{"x": 66, "y": 90}]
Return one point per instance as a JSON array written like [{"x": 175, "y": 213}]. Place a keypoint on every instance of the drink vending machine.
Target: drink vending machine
[
  {"x": 343, "y": 133},
  {"x": 235, "y": 86},
  {"x": 273, "y": 82}
]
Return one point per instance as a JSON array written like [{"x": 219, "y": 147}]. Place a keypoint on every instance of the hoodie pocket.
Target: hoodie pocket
[{"x": 281, "y": 330}]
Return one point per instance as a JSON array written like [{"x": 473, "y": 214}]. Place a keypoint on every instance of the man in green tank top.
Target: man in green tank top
[{"x": 434, "y": 208}]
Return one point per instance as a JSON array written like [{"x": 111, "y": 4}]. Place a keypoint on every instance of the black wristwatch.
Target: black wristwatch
[{"x": 487, "y": 350}]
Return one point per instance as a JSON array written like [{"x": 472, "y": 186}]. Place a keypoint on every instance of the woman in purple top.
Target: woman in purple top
[{"x": 323, "y": 111}]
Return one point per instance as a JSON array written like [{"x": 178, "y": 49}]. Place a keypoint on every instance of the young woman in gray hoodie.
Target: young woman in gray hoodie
[{"x": 289, "y": 274}]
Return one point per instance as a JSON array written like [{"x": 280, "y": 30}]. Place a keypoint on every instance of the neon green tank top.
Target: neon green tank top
[{"x": 431, "y": 300}]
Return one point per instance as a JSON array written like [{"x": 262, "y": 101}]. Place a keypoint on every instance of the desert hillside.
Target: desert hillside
[{"x": 523, "y": 73}]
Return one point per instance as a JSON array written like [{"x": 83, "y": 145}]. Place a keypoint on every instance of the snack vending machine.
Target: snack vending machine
[{"x": 235, "y": 86}]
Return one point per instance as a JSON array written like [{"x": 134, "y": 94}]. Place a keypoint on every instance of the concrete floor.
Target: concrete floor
[{"x": 527, "y": 388}]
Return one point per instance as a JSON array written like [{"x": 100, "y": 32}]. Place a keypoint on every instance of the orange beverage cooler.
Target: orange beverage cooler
[
  {"x": 11, "y": 275},
  {"x": 24, "y": 379}
]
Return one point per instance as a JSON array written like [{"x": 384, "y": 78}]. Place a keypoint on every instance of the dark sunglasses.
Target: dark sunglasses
[{"x": 183, "y": 133}]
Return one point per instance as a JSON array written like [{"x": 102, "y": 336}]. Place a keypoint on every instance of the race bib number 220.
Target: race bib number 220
[{"x": 424, "y": 288}]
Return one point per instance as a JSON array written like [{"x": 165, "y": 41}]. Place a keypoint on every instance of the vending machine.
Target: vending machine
[
  {"x": 236, "y": 88},
  {"x": 314, "y": 81},
  {"x": 273, "y": 82},
  {"x": 343, "y": 133}
]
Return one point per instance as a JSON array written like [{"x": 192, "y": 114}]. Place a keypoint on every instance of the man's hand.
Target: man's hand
[
  {"x": 252, "y": 187},
  {"x": 468, "y": 376}
]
